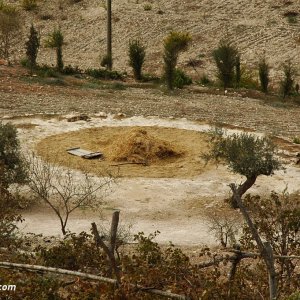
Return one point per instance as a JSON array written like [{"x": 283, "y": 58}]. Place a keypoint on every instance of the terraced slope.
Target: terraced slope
[{"x": 255, "y": 26}]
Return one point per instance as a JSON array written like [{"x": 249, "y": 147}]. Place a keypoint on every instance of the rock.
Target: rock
[{"x": 78, "y": 118}]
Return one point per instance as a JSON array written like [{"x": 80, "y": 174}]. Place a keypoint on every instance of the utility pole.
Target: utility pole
[{"x": 109, "y": 38}]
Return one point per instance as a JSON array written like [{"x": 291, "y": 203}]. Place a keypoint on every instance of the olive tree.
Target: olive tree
[
  {"x": 62, "y": 191},
  {"x": 250, "y": 156},
  {"x": 174, "y": 44}
]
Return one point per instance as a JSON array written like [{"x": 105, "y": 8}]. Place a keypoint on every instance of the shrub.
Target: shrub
[
  {"x": 147, "y": 7},
  {"x": 104, "y": 74},
  {"x": 56, "y": 40},
  {"x": 29, "y": 4},
  {"x": 205, "y": 80},
  {"x": 32, "y": 46},
  {"x": 136, "y": 58},
  {"x": 11, "y": 162},
  {"x": 264, "y": 70},
  {"x": 69, "y": 70},
  {"x": 106, "y": 61},
  {"x": 174, "y": 43},
  {"x": 181, "y": 79},
  {"x": 287, "y": 83},
  {"x": 226, "y": 57},
  {"x": 238, "y": 73}
]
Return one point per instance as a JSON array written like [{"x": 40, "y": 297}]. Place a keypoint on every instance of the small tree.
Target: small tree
[
  {"x": 9, "y": 26},
  {"x": 251, "y": 157},
  {"x": 238, "y": 73},
  {"x": 287, "y": 82},
  {"x": 11, "y": 162},
  {"x": 136, "y": 58},
  {"x": 32, "y": 46},
  {"x": 264, "y": 71},
  {"x": 174, "y": 43},
  {"x": 59, "y": 189},
  {"x": 56, "y": 41},
  {"x": 227, "y": 59}
]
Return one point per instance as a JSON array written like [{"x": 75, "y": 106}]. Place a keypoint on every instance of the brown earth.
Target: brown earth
[
  {"x": 255, "y": 27},
  {"x": 191, "y": 144}
]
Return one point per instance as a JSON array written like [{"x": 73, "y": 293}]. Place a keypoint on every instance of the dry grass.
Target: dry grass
[{"x": 171, "y": 152}]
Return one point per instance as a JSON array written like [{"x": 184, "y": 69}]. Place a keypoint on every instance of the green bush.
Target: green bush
[
  {"x": 106, "y": 61},
  {"x": 287, "y": 83},
  {"x": 56, "y": 40},
  {"x": 226, "y": 57},
  {"x": 47, "y": 71},
  {"x": 104, "y": 74},
  {"x": 136, "y": 58},
  {"x": 11, "y": 162},
  {"x": 181, "y": 79},
  {"x": 29, "y": 4},
  {"x": 70, "y": 70},
  {"x": 174, "y": 43},
  {"x": 32, "y": 46},
  {"x": 264, "y": 71}
]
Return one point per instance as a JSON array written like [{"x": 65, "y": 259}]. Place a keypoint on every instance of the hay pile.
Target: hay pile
[{"x": 137, "y": 146}]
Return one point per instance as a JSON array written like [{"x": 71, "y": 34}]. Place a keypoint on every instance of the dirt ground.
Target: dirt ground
[
  {"x": 189, "y": 145},
  {"x": 174, "y": 206}
]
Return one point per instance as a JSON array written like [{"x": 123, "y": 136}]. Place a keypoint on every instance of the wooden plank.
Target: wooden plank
[{"x": 77, "y": 151}]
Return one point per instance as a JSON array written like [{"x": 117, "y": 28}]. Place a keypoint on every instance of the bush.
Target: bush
[
  {"x": 106, "y": 61},
  {"x": 287, "y": 83},
  {"x": 32, "y": 46},
  {"x": 264, "y": 71},
  {"x": 69, "y": 70},
  {"x": 204, "y": 80},
  {"x": 226, "y": 57},
  {"x": 11, "y": 162},
  {"x": 136, "y": 58},
  {"x": 181, "y": 79},
  {"x": 56, "y": 40},
  {"x": 29, "y": 4},
  {"x": 174, "y": 43},
  {"x": 47, "y": 71},
  {"x": 104, "y": 74}
]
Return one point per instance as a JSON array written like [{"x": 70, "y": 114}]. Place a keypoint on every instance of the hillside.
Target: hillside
[{"x": 254, "y": 27}]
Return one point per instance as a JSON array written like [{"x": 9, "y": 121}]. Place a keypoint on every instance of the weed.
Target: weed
[
  {"x": 147, "y": 7},
  {"x": 296, "y": 140}
]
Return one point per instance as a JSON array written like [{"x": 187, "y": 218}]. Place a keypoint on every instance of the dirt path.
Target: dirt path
[{"x": 173, "y": 206}]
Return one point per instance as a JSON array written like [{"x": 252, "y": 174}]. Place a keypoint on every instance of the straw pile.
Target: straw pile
[{"x": 137, "y": 146}]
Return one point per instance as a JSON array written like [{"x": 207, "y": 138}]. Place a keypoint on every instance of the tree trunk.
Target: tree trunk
[
  {"x": 265, "y": 249},
  {"x": 109, "y": 36}
]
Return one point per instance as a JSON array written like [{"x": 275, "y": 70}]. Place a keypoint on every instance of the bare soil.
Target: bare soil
[{"x": 190, "y": 144}]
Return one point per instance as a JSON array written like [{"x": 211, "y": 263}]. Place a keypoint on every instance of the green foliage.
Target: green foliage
[
  {"x": 11, "y": 162},
  {"x": 29, "y": 5},
  {"x": 244, "y": 153},
  {"x": 104, "y": 74},
  {"x": 46, "y": 71},
  {"x": 56, "y": 40},
  {"x": 226, "y": 57},
  {"x": 294, "y": 296},
  {"x": 147, "y": 7},
  {"x": 277, "y": 219},
  {"x": 264, "y": 71},
  {"x": 174, "y": 44},
  {"x": 238, "y": 73},
  {"x": 75, "y": 252},
  {"x": 181, "y": 79},
  {"x": 70, "y": 70},
  {"x": 287, "y": 83},
  {"x": 296, "y": 140},
  {"x": 248, "y": 79},
  {"x": 106, "y": 61},
  {"x": 32, "y": 46},
  {"x": 136, "y": 58},
  {"x": 204, "y": 80}
]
